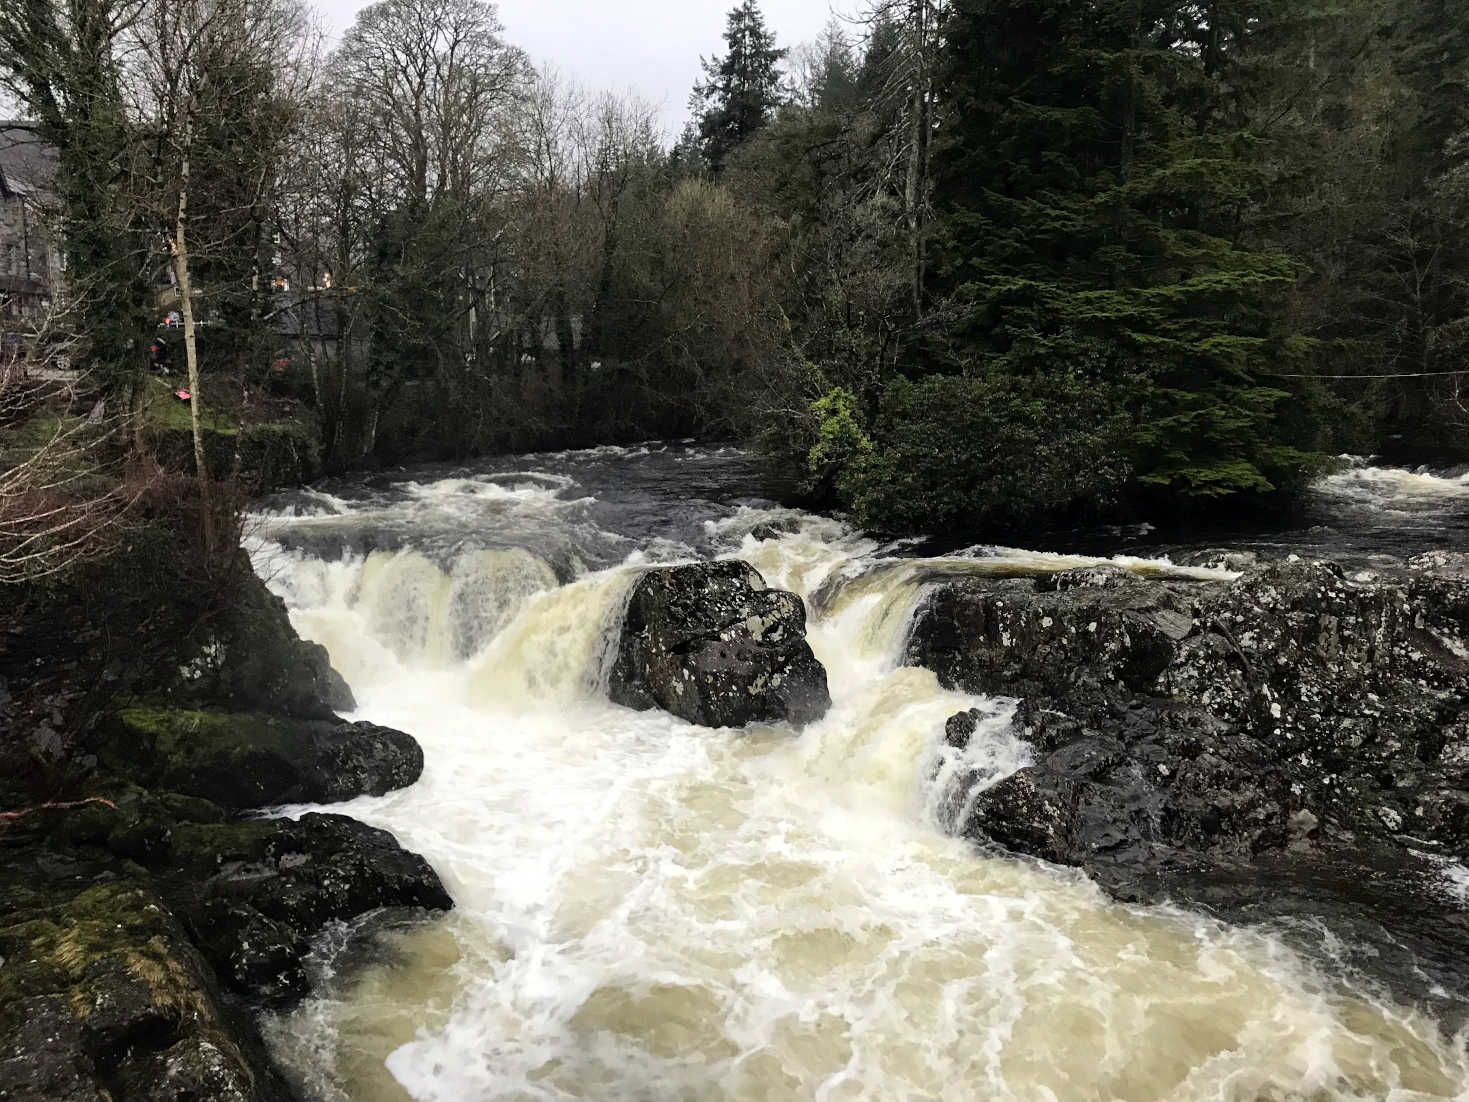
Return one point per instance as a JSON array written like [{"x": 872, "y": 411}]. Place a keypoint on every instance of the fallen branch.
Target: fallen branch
[{"x": 69, "y": 806}]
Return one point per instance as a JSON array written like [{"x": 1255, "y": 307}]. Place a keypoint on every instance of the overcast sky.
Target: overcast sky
[{"x": 651, "y": 47}]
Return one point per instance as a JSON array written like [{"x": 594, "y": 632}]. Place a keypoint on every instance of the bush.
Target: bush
[
  {"x": 977, "y": 451},
  {"x": 264, "y": 456}
]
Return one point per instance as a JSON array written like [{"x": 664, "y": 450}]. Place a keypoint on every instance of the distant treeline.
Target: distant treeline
[{"x": 956, "y": 263}]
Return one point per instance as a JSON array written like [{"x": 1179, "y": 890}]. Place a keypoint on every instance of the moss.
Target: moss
[
  {"x": 203, "y": 847},
  {"x": 191, "y": 809},
  {"x": 179, "y": 734},
  {"x": 109, "y": 924},
  {"x": 235, "y": 760}
]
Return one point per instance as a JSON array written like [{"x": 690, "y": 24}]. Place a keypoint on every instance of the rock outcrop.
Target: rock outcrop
[
  {"x": 251, "y": 892},
  {"x": 255, "y": 760},
  {"x": 144, "y": 915},
  {"x": 712, "y": 645},
  {"x": 1183, "y": 730},
  {"x": 248, "y": 658},
  {"x": 103, "y": 997}
]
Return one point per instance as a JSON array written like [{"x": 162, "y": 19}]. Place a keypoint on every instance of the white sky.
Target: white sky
[{"x": 651, "y": 47}]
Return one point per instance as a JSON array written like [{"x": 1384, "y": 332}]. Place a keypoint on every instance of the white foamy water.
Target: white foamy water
[
  {"x": 646, "y": 910},
  {"x": 1395, "y": 489}
]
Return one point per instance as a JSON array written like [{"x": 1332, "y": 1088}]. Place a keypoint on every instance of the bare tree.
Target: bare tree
[
  {"x": 910, "y": 84},
  {"x": 433, "y": 93},
  {"x": 63, "y": 498},
  {"x": 618, "y": 138},
  {"x": 207, "y": 63}
]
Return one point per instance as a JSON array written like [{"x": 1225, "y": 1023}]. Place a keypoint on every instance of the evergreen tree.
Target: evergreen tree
[
  {"x": 825, "y": 76},
  {"x": 742, "y": 89},
  {"x": 1094, "y": 185},
  {"x": 58, "y": 62},
  {"x": 1418, "y": 267}
]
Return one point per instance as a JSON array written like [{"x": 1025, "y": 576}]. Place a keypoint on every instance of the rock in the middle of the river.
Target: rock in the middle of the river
[{"x": 711, "y": 644}]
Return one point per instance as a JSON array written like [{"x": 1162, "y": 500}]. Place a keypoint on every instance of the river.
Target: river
[{"x": 647, "y": 910}]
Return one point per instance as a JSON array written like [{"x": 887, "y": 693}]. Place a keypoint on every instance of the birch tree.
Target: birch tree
[{"x": 201, "y": 67}]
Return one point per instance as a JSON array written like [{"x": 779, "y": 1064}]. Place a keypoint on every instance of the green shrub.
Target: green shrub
[
  {"x": 264, "y": 456},
  {"x": 968, "y": 451}
]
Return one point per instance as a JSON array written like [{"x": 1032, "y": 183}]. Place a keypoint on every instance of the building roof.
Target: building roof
[{"x": 27, "y": 163}]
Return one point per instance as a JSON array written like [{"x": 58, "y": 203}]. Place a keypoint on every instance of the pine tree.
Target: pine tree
[
  {"x": 826, "y": 78},
  {"x": 1095, "y": 182},
  {"x": 742, "y": 90}
]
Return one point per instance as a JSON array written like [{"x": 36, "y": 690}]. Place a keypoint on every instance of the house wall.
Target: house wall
[{"x": 29, "y": 264}]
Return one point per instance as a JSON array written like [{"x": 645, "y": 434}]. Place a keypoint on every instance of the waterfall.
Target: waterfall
[{"x": 647, "y": 911}]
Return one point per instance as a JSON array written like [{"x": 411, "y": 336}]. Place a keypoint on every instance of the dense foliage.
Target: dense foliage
[
  {"x": 1163, "y": 252},
  {"x": 956, "y": 263}
]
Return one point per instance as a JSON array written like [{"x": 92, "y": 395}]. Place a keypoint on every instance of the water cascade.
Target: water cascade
[{"x": 652, "y": 911}]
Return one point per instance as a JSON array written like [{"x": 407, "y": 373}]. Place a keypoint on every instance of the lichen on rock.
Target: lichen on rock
[
  {"x": 712, "y": 644},
  {"x": 1182, "y": 729}
]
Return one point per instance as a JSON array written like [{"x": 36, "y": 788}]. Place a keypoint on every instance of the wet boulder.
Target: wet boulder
[
  {"x": 103, "y": 997},
  {"x": 1211, "y": 718},
  {"x": 252, "y": 894},
  {"x": 1032, "y": 811},
  {"x": 1134, "y": 785},
  {"x": 1101, "y": 625},
  {"x": 242, "y": 761},
  {"x": 711, "y": 644},
  {"x": 256, "y": 892},
  {"x": 252, "y": 953}
]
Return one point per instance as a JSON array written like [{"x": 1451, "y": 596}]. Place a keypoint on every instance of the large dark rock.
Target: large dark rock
[
  {"x": 711, "y": 644},
  {"x": 1184, "y": 730},
  {"x": 102, "y": 997},
  {"x": 1019, "y": 635},
  {"x": 247, "y": 658},
  {"x": 252, "y": 894},
  {"x": 256, "y": 893},
  {"x": 1232, "y": 706},
  {"x": 307, "y": 872},
  {"x": 253, "y": 760}
]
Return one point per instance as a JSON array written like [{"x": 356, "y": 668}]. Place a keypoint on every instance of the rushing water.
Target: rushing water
[{"x": 652, "y": 911}]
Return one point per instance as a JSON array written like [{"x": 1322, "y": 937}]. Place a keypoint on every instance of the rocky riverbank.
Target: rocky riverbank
[
  {"x": 1291, "y": 746},
  {"x": 1287, "y": 747},
  {"x": 147, "y": 915}
]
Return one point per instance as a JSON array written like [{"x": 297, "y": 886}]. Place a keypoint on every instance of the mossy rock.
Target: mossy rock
[
  {"x": 250, "y": 760},
  {"x": 248, "y": 657},
  {"x": 103, "y": 997},
  {"x": 144, "y": 623}
]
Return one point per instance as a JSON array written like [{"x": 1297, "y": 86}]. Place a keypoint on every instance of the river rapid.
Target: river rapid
[{"x": 647, "y": 910}]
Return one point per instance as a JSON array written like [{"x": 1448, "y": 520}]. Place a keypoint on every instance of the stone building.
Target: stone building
[{"x": 30, "y": 263}]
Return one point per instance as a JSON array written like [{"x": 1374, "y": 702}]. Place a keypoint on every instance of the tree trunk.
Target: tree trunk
[
  {"x": 915, "y": 187},
  {"x": 191, "y": 350},
  {"x": 566, "y": 343}
]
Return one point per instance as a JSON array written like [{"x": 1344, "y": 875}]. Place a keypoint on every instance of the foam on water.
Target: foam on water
[
  {"x": 647, "y": 910},
  {"x": 1396, "y": 490}
]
